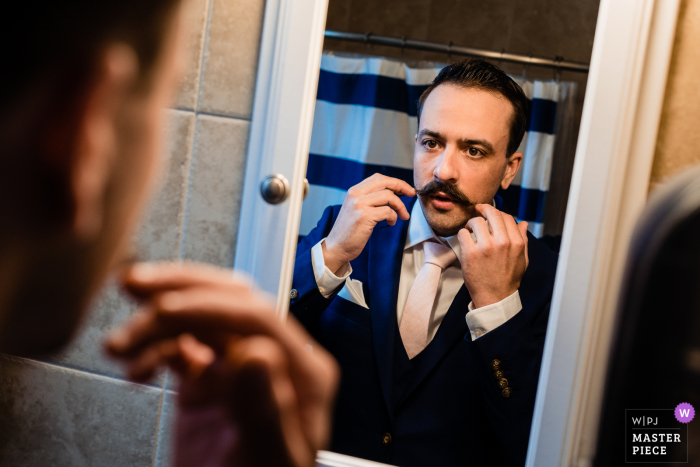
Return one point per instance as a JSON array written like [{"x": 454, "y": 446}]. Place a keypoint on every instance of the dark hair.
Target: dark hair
[
  {"x": 56, "y": 43},
  {"x": 51, "y": 50},
  {"x": 480, "y": 74}
]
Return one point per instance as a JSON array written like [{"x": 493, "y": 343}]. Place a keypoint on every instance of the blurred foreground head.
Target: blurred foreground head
[{"x": 81, "y": 110}]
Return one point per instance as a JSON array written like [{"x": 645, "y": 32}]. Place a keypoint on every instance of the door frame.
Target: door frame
[
  {"x": 280, "y": 134},
  {"x": 610, "y": 182},
  {"x": 621, "y": 114}
]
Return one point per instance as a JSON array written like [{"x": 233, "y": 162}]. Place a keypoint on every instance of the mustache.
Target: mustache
[{"x": 434, "y": 187}]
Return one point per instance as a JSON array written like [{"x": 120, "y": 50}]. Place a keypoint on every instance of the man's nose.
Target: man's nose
[{"x": 446, "y": 169}]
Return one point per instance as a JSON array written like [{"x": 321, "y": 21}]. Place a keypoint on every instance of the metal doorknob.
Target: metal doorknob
[{"x": 274, "y": 189}]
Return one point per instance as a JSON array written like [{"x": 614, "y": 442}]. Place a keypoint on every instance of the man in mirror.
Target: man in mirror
[
  {"x": 436, "y": 307},
  {"x": 81, "y": 110}
]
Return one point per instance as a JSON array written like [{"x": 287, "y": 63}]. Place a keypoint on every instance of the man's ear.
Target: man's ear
[
  {"x": 512, "y": 165},
  {"x": 93, "y": 145}
]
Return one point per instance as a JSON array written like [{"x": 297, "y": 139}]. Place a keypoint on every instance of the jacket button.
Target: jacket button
[
  {"x": 293, "y": 294},
  {"x": 496, "y": 364},
  {"x": 386, "y": 440},
  {"x": 498, "y": 374},
  {"x": 502, "y": 383},
  {"x": 506, "y": 392}
]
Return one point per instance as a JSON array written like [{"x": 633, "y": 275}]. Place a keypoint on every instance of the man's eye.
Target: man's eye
[
  {"x": 430, "y": 144},
  {"x": 473, "y": 152}
]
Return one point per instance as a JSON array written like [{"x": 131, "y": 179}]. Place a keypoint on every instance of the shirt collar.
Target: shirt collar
[{"x": 419, "y": 231}]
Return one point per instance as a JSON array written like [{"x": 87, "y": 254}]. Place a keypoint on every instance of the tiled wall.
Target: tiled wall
[
  {"x": 546, "y": 28},
  {"x": 75, "y": 409},
  {"x": 678, "y": 145}
]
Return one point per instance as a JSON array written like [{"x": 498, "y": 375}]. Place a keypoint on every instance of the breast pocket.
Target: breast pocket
[{"x": 352, "y": 292}]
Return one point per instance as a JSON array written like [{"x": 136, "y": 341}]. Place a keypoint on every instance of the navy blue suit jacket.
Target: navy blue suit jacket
[{"x": 451, "y": 411}]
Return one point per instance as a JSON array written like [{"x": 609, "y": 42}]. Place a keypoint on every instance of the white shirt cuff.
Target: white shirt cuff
[
  {"x": 326, "y": 281},
  {"x": 487, "y": 318}
]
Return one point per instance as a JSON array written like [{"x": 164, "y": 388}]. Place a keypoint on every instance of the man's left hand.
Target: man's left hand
[{"x": 493, "y": 265}]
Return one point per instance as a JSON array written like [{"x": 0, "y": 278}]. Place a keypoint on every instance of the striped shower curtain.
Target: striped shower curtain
[{"x": 365, "y": 122}]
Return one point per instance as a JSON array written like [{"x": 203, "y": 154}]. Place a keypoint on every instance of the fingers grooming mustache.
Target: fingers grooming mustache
[{"x": 433, "y": 187}]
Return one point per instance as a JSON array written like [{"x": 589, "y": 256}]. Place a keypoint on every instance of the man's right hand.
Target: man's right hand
[
  {"x": 251, "y": 392},
  {"x": 373, "y": 200}
]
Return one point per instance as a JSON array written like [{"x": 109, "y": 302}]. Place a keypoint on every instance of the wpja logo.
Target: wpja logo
[{"x": 658, "y": 435}]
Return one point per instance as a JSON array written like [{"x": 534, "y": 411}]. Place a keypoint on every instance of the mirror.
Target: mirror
[{"x": 468, "y": 391}]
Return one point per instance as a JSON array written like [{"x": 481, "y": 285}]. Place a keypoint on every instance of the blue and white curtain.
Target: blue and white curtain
[{"x": 365, "y": 122}]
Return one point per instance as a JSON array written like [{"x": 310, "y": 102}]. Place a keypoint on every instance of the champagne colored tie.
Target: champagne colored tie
[{"x": 416, "y": 314}]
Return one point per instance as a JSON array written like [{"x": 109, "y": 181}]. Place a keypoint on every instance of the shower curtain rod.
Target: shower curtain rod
[{"x": 558, "y": 63}]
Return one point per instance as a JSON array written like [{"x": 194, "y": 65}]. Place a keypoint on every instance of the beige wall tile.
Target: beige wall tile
[
  {"x": 159, "y": 236},
  {"x": 392, "y": 17},
  {"x": 551, "y": 27},
  {"x": 338, "y": 15},
  {"x": 472, "y": 22},
  {"x": 216, "y": 185},
  {"x": 65, "y": 418},
  {"x": 196, "y": 20},
  {"x": 231, "y": 58},
  {"x": 678, "y": 144}
]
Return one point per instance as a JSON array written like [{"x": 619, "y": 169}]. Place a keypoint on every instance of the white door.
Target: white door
[
  {"x": 285, "y": 93},
  {"x": 290, "y": 56}
]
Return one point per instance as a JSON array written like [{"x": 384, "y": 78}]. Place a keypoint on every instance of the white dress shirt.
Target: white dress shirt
[{"x": 480, "y": 320}]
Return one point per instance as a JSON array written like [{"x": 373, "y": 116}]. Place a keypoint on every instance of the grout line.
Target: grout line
[
  {"x": 204, "y": 29},
  {"x": 195, "y": 136},
  {"x": 187, "y": 189},
  {"x": 159, "y": 420},
  {"x": 182, "y": 110},
  {"x": 246, "y": 118},
  {"x": 185, "y": 197},
  {"x": 232, "y": 117},
  {"x": 205, "y": 52},
  {"x": 19, "y": 359}
]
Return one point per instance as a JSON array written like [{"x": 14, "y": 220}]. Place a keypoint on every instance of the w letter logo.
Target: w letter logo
[{"x": 684, "y": 412}]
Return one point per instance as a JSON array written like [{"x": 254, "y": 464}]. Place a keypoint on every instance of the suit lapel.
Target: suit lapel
[
  {"x": 451, "y": 330},
  {"x": 385, "y": 257}
]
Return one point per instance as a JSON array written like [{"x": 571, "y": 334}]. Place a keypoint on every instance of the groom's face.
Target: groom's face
[{"x": 460, "y": 156}]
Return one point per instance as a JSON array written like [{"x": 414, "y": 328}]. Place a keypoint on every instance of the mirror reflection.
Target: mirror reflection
[{"x": 429, "y": 237}]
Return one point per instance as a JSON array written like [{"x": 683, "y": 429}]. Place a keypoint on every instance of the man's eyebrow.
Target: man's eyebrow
[
  {"x": 476, "y": 142},
  {"x": 431, "y": 133},
  {"x": 462, "y": 142}
]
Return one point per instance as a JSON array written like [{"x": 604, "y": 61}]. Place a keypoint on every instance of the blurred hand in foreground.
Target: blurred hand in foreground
[{"x": 251, "y": 391}]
